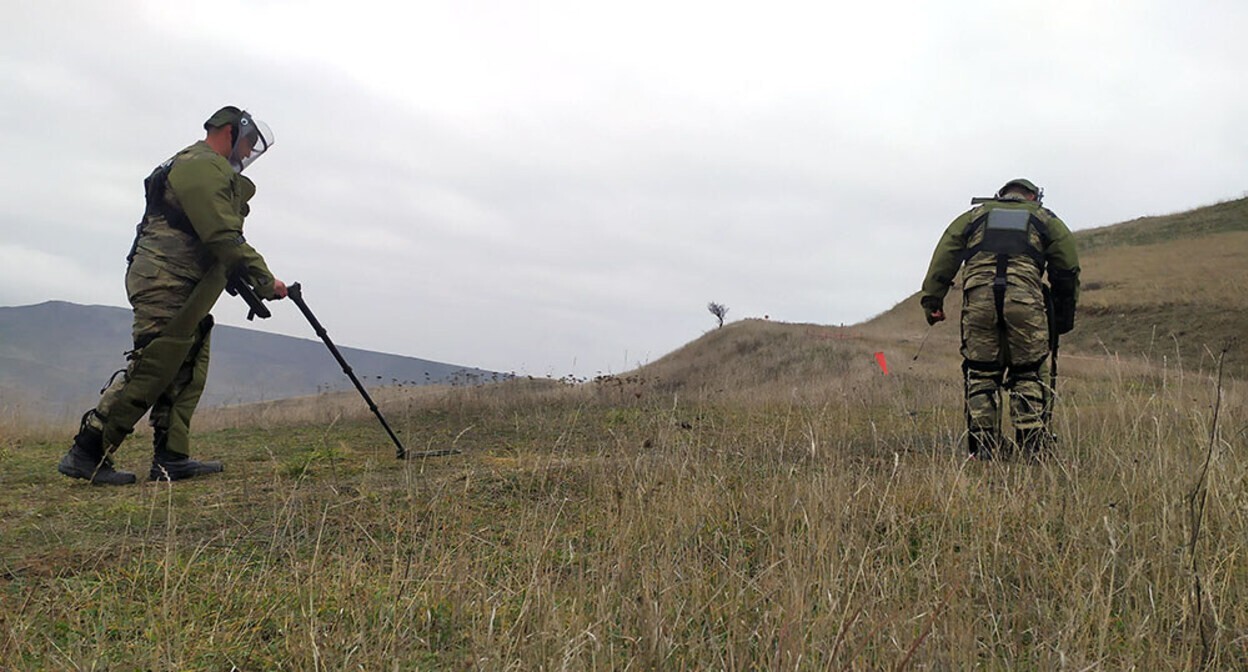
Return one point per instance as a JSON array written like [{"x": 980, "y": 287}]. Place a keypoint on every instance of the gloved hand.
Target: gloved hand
[
  {"x": 1063, "y": 314},
  {"x": 933, "y": 309},
  {"x": 1065, "y": 287}
]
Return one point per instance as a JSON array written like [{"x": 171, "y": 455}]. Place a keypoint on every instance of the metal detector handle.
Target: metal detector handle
[
  {"x": 237, "y": 286},
  {"x": 295, "y": 293}
]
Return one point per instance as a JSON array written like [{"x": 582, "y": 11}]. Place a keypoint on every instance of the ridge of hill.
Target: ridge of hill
[
  {"x": 1171, "y": 289},
  {"x": 1231, "y": 215},
  {"x": 55, "y": 356},
  {"x": 756, "y": 357}
]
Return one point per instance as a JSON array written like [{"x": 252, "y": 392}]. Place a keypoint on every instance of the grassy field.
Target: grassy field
[
  {"x": 636, "y": 523},
  {"x": 764, "y": 498}
]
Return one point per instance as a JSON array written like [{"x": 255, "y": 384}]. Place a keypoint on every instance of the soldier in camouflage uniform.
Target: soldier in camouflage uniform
[
  {"x": 189, "y": 240},
  {"x": 1004, "y": 246}
]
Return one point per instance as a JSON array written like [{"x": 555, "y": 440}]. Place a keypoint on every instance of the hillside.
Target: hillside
[
  {"x": 1223, "y": 217},
  {"x": 762, "y": 498},
  {"x": 1158, "y": 287},
  {"x": 1153, "y": 287},
  {"x": 756, "y": 356},
  {"x": 55, "y": 356},
  {"x": 1171, "y": 289},
  {"x": 831, "y": 523}
]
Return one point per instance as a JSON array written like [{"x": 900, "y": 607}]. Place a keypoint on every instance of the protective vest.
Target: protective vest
[
  {"x": 1012, "y": 236},
  {"x": 1006, "y": 242},
  {"x": 155, "y": 187}
]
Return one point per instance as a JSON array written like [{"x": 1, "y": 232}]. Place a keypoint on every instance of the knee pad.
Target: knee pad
[
  {"x": 1024, "y": 372},
  {"x": 973, "y": 370}
]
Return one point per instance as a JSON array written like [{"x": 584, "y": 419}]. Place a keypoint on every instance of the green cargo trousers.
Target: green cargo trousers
[{"x": 169, "y": 363}]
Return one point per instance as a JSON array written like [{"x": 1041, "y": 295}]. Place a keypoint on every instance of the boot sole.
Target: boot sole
[
  {"x": 74, "y": 473},
  {"x": 169, "y": 477}
]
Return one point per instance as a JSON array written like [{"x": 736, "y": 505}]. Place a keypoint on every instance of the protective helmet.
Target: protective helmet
[
  {"x": 249, "y": 137},
  {"x": 1024, "y": 183}
]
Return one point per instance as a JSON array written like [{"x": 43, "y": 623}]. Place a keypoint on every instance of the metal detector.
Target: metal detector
[
  {"x": 923, "y": 342},
  {"x": 295, "y": 292}
]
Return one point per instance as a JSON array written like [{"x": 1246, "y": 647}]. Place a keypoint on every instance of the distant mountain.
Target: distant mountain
[{"x": 55, "y": 357}]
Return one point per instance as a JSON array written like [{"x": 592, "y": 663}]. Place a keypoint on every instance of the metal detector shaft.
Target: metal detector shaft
[
  {"x": 295, "y": 292},
  {"x": 923, "y": 342}
]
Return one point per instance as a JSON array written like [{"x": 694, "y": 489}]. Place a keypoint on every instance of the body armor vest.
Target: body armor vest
[
  {"x": 1007, "y": 233},
  {"x": 154, "y": 189}
]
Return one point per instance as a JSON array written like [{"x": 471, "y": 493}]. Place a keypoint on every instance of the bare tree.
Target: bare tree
[{"x": 719, "y": 310}]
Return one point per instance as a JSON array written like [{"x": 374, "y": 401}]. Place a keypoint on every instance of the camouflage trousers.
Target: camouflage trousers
[
  {"x": 1004, "y": 348},
  {"x": 169, "y": 363}
]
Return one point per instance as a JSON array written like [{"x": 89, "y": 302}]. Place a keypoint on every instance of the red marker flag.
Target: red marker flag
[{"x": 879, "y": 359}]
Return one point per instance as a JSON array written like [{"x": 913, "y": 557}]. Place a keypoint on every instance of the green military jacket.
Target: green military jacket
[
  {"x": 202, "y": 185},
  {"x": 1056, "y": 248}
]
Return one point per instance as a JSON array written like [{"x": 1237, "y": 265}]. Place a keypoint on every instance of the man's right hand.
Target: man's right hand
[
  {"x": 933, "y": 309},
  {"x": 279, "y": 288}
]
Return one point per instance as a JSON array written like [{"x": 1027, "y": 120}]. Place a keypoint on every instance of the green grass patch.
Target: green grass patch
[{"x": 655, "y": 533}]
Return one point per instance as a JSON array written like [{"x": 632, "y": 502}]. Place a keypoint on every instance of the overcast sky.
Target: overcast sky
[{"x": 561, "y": 187}]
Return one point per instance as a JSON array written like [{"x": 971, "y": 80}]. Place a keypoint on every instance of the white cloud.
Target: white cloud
[
  {"x": 29, "y": 276},
  {"x": 527, "y": 184}
]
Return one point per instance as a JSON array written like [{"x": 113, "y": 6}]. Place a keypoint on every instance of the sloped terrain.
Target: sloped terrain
[
  {"x": 763, "y": 498},
  {"x": 1169, "y": 291},
  {"x": 1173, "y": 289},
  {"x": 759, "y": 358}
]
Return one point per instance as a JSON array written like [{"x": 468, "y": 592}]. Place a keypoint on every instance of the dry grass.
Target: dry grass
[
  {"x": 1229, "y": 215},
  {"x": 828, "y": 523},
  {"x": 1178, "y": 302},
  {"x": 763, "y": 499},
  {"x": 1205, "y": 270}
]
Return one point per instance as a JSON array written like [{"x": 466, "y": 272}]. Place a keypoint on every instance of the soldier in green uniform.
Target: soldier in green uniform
[
  {"x": 1004, "y": 246},
  {"x": 188, "y": 243}
]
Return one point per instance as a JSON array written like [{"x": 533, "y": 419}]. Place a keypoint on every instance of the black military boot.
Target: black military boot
[
  {"x": 175, "y": 467},
  {"x": 983, "y": 445},
  {"x": 170, "y": 466},
  {"x": 88, "y": 460},
  {"x": 1036, "y": 443}
]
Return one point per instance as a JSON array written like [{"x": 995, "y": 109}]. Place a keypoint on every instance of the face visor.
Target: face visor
[{"x": 252, "y": 138}]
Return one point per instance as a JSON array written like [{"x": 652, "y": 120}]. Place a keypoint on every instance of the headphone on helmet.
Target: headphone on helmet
[
  {"x": 237, "y": 119},
  {"x": 1022, "y": 183}
]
